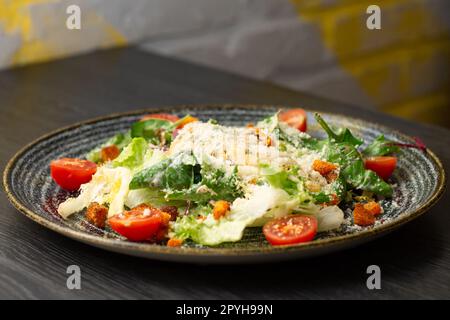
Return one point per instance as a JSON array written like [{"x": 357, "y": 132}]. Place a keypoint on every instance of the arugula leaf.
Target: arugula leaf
[
  {"x": 120, "y": 140},
  {"x": 321, "y": 197},
  {"x": 341, "y": 149},
  {"x": 342, "y": 134},
  {"x": 338, "y": 188},
  {"x": 353, "y": 170},
  {"x": 380, "y": 147}
]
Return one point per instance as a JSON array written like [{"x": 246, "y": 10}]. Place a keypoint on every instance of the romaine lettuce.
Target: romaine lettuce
[
  {"x": 132, "y": 155},
  {"x": 262, "y": 201},
  {"x": 108, "y": 186}
]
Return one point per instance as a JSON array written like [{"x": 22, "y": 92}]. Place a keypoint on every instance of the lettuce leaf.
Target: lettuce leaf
[
  {"x": 132, "y": 155},
  {"x": 155, "y": 131},
  {"x": 262, "y": 201},
  {"x": 120, "y": 140},
  {"x": 108, "y": 186}
]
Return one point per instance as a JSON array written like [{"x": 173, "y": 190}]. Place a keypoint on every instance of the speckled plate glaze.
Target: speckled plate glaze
[{"x": 30, "y": 189}]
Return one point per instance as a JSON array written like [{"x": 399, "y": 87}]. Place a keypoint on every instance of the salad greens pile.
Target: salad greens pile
[{"x": 156, "y": 166}]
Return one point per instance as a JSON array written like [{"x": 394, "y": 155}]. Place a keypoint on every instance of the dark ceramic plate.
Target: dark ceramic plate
[{"x": 31, "y": 190}]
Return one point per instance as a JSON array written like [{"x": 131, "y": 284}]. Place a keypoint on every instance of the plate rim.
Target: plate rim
[{"x": 144, "y": 248}]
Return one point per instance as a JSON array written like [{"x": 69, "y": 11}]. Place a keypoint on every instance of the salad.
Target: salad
[{"x": 172, "y": 180}]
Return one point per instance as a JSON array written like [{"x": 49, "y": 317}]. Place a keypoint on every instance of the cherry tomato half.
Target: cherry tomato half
[
  {"x": 140, "y": 223},
  {"x": 295, "y": 118},
  {"x": 383, "y": 166},
  {"x": 290, "y": 229},
  {"x": 162, "y": 116},
  {"x": 71, "y": 173}
]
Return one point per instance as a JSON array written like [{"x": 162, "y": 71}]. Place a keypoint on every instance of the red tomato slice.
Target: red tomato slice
[
  {"x": 71, "y": 173},
  {"x": 290, "y": 229},
  {"x": 383, "y": 166},
  {"x": 139, "y": 224},
  {"x": 162, "y": 116},
  {"x": 295, "y": 118}
]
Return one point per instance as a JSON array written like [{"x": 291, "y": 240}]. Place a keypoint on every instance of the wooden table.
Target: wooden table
[{"x": 414, "y": 261}]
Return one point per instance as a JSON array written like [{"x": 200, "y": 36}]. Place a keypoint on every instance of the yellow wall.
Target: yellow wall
[
  {"x": 21, "y": 20},
  {"x": 403, "y": 67}
]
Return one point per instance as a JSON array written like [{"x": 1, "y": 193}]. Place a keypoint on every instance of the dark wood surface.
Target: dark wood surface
[{"x": 414, "y": 261}]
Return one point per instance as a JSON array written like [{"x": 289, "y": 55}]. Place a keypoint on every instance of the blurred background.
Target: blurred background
[{"x": 317, "y": 46}]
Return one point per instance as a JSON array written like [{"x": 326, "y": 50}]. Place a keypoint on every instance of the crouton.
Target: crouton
[
  {"x": 174, "y": 242},
  {"x": 373, "y": 207},
  {"x": 96, "y": 214},
  {"x": 362, "y": 217},
  {"x": 323, "y": 167},
  {"x": 109, "y": 153},
  {"x": 221, "y": 208}
]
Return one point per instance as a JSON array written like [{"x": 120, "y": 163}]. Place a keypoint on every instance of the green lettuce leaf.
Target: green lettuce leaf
[
  {"x": 263, "y": 203},
  {"x": 132, "y": 156},
  {"x": 155, "y": 131},
  {"x": 120, "y": 140},
  {"x": 281, "y": 179}
]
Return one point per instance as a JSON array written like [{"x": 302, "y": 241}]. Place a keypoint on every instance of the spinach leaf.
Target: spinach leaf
[
  {"x": 182, "y": 178},
  {"x": 214, "y": 184},
  {"x": 380, "y": 147},
  {"x": 172, "y": 173}
]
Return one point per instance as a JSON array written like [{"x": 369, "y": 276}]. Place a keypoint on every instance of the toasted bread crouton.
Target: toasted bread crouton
[
  {"x": 109, "y": 153},
  {"x": 96, "y": 214},
  {"x": 373, "y": 207},
  {"x": 323, "y": 167},
  {"x": 362, "y": 217},
  {"x": 172, "y": 210},
  {"x": 221, "y": 208},
  {"x": 174, "y": 242}
]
